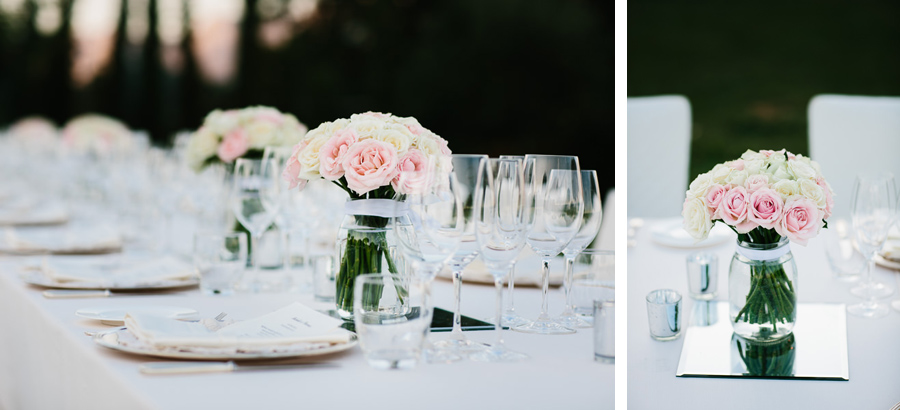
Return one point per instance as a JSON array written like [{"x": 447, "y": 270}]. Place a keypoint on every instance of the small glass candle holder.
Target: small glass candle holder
[
  {"x": 703, "y": 275},
  {"x": 664, "y": 314},
  {"x": 605, "y": 331}
]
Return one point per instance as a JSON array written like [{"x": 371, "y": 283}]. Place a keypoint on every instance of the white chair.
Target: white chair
[
  {"x": 606, "y": 239},
  {"x": 853, "y": 134},
  {"x": 659, "y": 142}
]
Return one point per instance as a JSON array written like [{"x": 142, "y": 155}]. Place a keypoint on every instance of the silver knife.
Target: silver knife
[{"x": 213, "y": 367}]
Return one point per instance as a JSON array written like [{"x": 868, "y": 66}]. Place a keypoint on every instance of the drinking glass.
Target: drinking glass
[
  {"x": 510, "y": 318},
  {"x": 466, "y": 168},
  {"x": 553, "y": 210},
  {"x": 430, "y": 230},
  {"x": 392, "y": 316},
  {"x": 872, "y": 213},
  {"x": 594, "y": 278},
  {"x": 254, "y": 201},
  {"x": 500, "y": 231},
  {"x": 285, "y": 219},
  {"x": 590, "y": 226},
  {"x": 219, "y": 259}
]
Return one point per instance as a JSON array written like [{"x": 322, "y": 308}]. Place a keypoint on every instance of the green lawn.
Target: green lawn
[{"x": 750, "y": 69}]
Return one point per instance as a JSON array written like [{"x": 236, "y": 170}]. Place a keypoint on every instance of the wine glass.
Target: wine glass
[
  {"x": 553, "y": 211},
  {"x": 285, "y": 217},
  {"x": 466, "y": 168},
  {"x": 254, "y": 201},
  {"x": 510, "y": 318},
  {"x": 500, "y": 232},
  {"x": 429, "y": 230},
  {"x": 872, "y": 214},
  {"x": 590, "y": 226}
]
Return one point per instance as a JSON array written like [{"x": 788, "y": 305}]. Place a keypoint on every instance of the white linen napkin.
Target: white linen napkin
[
  {"x": 292, "y": 324},
  {"x": 101, "y": 270}
]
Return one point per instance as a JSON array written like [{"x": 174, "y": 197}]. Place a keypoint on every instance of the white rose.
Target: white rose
[
  {"x": 696, "y": 218},
  {"x": 261, "y": 134},
  {"x": 221, "y": 122},
  {"x": 751, "y": 155},
  {"x": 736, "y": 178},
  {"x": 787, "y": 189},
  {"x": 309, "y": 157},
  {"x": 800, "y": 170},
  {"x": 754, "y": 167},
  {"x": 427, "y": 144},
  {"x": 719, "y": 173},
  {"x": 815, "y": 166},
  {"x": 810, "y": 189},
  {"x": 366, "y": 127},
  {"x": 202, "y": 145},
  {"x": 777, "y": 174},
  {"x": 394, "y": 137}
]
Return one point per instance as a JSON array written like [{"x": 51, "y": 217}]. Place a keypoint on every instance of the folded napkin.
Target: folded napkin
[
  {"x": 292, "y": 324},
  {"x": 65, "y": 239},
  {"x": 106, "y": 270}
]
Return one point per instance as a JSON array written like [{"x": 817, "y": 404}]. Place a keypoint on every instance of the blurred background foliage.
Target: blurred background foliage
[
  {"x": 494, "y": 77},
  {"x": 750, "y": 69}
]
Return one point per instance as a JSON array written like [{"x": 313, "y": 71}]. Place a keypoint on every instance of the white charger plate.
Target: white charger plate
[
  {"x": 122, "y": 340},
  {"x": 115, "y": 315},
  {"x": 671, "y": 233},
  {"x": 39, "y": 279}
]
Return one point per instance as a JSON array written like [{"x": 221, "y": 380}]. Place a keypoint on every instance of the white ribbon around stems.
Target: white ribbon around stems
[
  {"x": 385, "y": 208},
  {"x": 764, "y": 255}
]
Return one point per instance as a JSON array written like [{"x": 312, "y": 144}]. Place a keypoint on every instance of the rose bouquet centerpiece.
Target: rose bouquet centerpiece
[
  {"x": 97, "y": 135},
  {"x": 364, "y": 156},
  {"x": 769, "y": 198},
  {"x": 241, "y": 133}
]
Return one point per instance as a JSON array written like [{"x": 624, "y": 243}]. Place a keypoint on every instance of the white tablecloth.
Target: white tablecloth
[
  {"x": 46, "y": 362},
  {"x": 874, "y": 356}
]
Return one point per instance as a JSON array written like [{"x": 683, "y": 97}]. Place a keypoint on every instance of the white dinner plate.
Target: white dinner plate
[
  {"x": 671, "y": 233},
  {"x": 122, "y": 340},
  {"x": 35, "y": 277},
  {"x": 115, "y": 316}
]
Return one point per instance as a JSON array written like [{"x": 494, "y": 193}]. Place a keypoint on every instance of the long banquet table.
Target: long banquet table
[
  {"x": 874, "y": 356},
  {"x": 47, "y": 362}
]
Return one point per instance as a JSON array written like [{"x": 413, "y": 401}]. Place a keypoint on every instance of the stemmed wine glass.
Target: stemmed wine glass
[
  {"x": 872, "y": 213},
  {"x": 510, "y": 318},
  {"x": 553, "y": 208},
  {"x": 254, "y": 201},
  {"x": 285, "y": 218},
  {"x": 429, "y": 229},
  {"x": 590, "y": 226},
  {"x": 466, "y": 168},
  {"x": 500, "y": 231}
]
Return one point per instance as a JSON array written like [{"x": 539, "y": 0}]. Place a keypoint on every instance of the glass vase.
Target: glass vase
[
  {"x": 366, "y": 244},
  {"x": 762, "y": 286}
]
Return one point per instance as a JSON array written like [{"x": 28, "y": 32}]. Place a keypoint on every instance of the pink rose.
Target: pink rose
[
  {"x": 416, "y": 129},
  {"x": 713, "y": 199},
  {"x": 445, "y": 147},
  {"x": 736, "y": 164},
  {"x": 733, "y": 209},
  {"x": 801, "y": 220},
  {"x": 411, "y": 172},
  {"x": 765, "y": 207},
  {"x": 754, "y": 183},
  {"x": 233, "y": 146},
  {"x": 331, "y": 156},
  {"x": 767, "y": 152},
  {"x": 292, "y": 168},
  {"x": 829, "y": 196},
  {"x": 369, "y": 164}
]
